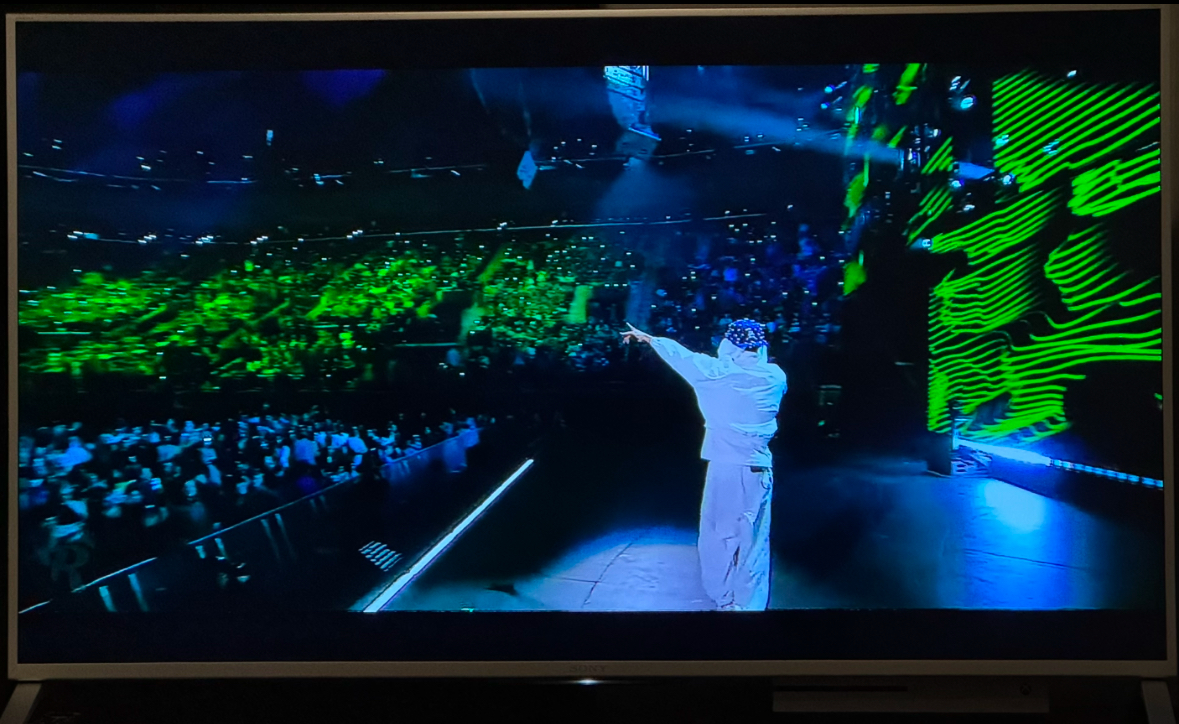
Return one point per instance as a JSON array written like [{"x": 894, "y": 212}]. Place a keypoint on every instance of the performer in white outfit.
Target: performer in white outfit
[{"x": 739, "y": 393}]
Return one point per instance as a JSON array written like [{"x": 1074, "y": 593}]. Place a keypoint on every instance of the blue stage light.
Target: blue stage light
[
  {"x": 1032, "y": 458},
  {"x": 1022, "y": 511},
  {"x": 1008, "y": 453}
]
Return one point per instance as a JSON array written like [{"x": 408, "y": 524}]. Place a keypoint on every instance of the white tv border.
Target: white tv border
[{"x": 602, "y": 669}]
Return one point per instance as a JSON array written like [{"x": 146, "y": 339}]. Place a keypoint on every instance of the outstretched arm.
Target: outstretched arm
[{"x": 692, "y": 366}]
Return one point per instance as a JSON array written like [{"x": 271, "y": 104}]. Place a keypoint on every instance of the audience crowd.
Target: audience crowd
[
  {"x": 331, "y": 317},
  {"x": 93, "y": 501},
  {"x": 793, "y": 288}
]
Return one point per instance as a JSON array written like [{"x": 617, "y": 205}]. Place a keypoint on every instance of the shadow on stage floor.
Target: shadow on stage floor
[{"x": 597, "y": 526}]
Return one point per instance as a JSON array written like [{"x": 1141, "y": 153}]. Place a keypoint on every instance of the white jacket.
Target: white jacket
[{"x": 739, "y": 396}]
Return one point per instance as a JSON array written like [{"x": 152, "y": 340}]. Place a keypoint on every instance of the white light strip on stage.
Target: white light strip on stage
[
  {"x": 1031, "y": 458},
  {"x": 424, "y": 562},
  {"x": 999, "y": 451}
]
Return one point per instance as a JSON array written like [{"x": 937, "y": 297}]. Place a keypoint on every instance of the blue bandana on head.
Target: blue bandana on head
[{"x": 747, "y": 334}]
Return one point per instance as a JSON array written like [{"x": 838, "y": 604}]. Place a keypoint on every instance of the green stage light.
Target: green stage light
[
  {"x": 1037, "y": 299},
  {"x": 1058, "y": 127},
  {"x": 942, "y": 161},
  {"x": 1117, "y": 184}
]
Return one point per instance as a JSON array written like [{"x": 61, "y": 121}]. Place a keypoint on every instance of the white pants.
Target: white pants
[{"x": 734, "y": 538}]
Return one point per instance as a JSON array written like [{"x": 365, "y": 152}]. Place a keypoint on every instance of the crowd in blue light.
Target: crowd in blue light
[{"x": 94, "y": 500}]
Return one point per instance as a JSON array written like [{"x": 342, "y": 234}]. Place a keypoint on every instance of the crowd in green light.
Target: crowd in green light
[{"x": 287, "y": 310}]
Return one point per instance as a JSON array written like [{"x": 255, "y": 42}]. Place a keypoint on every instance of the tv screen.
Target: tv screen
[{"x": 450, "y": 340}]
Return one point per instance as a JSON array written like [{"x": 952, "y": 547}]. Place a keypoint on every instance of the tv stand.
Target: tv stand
[
  {"x": 25, "y": 697},
  {"x": 1156, "y": 696},
  {"x": 916, "y": 695},
  {"x": 921, "y": 695}
]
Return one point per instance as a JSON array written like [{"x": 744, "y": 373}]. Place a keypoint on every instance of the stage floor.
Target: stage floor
[
  {"x": 652, "y": 569},
  {"x": 875, "y": 533}
]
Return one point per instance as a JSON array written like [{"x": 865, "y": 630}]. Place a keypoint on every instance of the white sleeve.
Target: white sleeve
[{"x": 692, "y": 366}]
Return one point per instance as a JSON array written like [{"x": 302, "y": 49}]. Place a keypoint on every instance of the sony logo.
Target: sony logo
[{"x": 587, "y": 669}]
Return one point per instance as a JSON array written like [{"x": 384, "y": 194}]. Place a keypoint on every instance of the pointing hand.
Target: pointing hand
[{"x": 635, "y": 334}]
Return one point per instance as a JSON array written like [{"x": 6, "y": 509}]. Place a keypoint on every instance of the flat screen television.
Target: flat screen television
[{"x": 813, "y": 341}]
